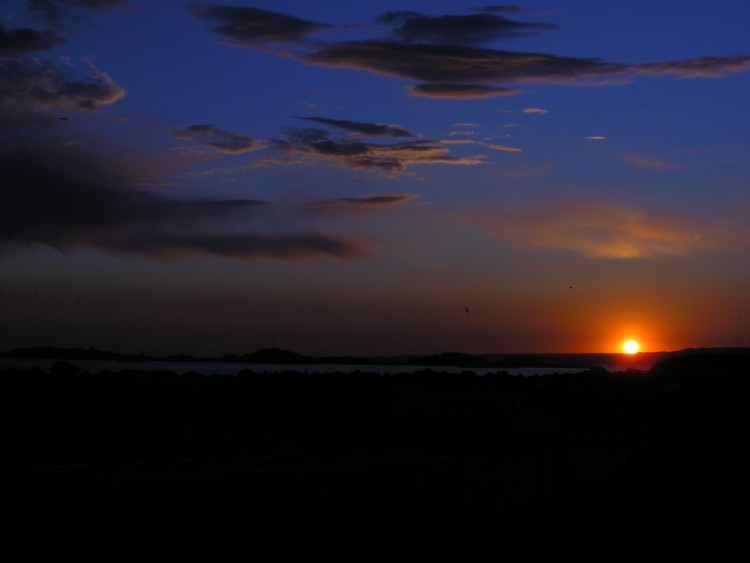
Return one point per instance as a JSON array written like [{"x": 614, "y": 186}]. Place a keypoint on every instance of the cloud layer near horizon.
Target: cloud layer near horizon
[{"x": 598, "y": 229}]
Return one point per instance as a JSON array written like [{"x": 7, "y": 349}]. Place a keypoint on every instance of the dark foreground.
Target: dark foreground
[{"x": 598, "y": 466}]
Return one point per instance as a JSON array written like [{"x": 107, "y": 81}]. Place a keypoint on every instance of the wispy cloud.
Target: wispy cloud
[
  {"x": 461, "y": 91},
  {"x": 221, "y": 140},
  {"x": 698, "y": 67},
  {"x": 603, "y": 230},
  {"x": 539, "y": 111},
  {"x": 366, "y": 129},
  {"x": 363, "y": 203},
  {"x": 503, "y": 148},
  {"x": 316, "y": 144},
  {"x": 647, "y": 162},
  {"x": 493, "y": 146},
  {"x": 596, "y": 138}
]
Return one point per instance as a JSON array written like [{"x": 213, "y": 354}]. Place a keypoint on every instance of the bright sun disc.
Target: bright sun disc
[{"x": 630, "y": 347}]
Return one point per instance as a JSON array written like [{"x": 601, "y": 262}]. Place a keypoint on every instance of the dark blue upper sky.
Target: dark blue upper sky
[{"x": 347, "y": 176}]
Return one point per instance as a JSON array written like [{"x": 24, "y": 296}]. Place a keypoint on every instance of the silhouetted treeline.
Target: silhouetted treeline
[{"x": 594, "y": 465}]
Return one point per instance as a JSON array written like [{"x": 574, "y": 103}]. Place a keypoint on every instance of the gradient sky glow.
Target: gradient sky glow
[{"x": 346, "y": 177}]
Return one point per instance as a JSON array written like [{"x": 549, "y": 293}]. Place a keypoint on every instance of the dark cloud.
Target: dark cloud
[
  {"x": 441, "y": 64},
  {"x": 699, "y": 67},
  {"x": 23, "y": 40},
  {"x": 456, "y": 65},
  {"x": 33, "y": 86},
  {"x": 66, "y": 198},
  {"x": 438, "y": 52},
  {"x": 472, "y": 29},
  {"x": 364, "y": 203},
  {"x": 369, "y": 129},
  {"x": 254, "y": 27},
  {"x": 223, "y": 141},
  {"x": 247, "y": 246},
  {"x": 512, "y": 10},
  {"x": 501, "y": 9},
  {"x": 461, "y": 91},
  {"x": 53, "y": 10},
  {"x": 389, "y": 158},
  {"x": 388, "y": 199}
]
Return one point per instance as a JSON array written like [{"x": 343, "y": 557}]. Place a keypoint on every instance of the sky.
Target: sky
[{"x": 374, "y": 178}]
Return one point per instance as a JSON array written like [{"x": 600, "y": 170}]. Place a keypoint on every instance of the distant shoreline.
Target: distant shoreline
[
  {"x": 285, "y": 359},
  {"x": 281, "y": 356}
]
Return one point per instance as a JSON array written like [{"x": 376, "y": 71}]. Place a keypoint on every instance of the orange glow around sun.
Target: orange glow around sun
[{"x": 630, "y": 347}]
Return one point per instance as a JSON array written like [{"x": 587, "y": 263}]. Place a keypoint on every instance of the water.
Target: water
[{"x": 229, "y": 368}]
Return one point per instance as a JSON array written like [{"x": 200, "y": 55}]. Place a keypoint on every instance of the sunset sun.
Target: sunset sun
[{"x": 630, "y": 347}]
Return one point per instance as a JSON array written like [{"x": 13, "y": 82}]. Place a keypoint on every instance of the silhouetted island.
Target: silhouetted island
[{"x": 125, "y": 465}]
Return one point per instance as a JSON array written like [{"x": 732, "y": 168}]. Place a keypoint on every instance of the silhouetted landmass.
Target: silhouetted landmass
[
  {"x": 594, "y": 466},
  {"x": 281, "y": 356}
]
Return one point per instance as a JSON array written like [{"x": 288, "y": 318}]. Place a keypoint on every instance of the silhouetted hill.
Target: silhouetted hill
[{"x": 703, "y": 362}]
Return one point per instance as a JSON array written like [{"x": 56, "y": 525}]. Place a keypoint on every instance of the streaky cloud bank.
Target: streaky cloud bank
[
  {"x": 461, "y": 91},
  {"x": 221, "y": 140},
  {"x": 367, "y": 129},
  {"x": 362, "y": 204},
  {"x": 443, "y": 55},
  {"x": 66, "y": 197}
]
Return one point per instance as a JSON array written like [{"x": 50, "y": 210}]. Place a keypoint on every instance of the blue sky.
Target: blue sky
[{"x": 347, "y": 177}]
